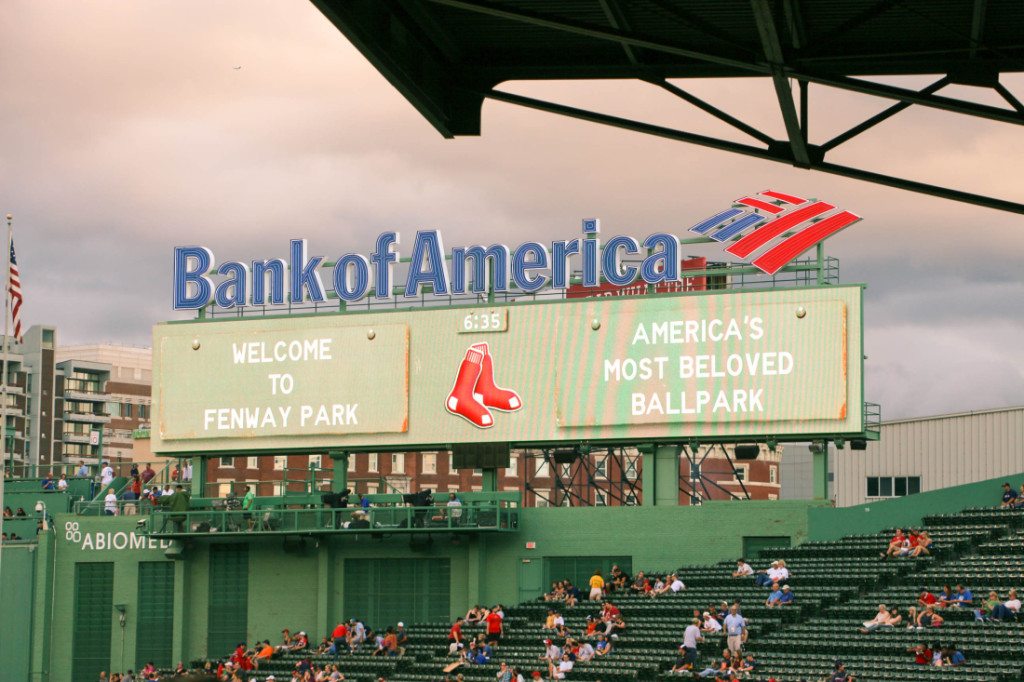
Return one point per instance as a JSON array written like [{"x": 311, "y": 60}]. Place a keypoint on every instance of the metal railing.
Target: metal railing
[
  {"x": 482, "y": 516},
  {"x": 719, "y": 276},
  {"x": 873, "y": 417}
]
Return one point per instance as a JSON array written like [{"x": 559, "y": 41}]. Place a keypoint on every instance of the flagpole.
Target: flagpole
[{"x": 3, "y": 378}]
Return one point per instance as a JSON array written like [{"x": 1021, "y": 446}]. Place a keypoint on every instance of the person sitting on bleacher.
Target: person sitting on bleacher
[
  {"x": 603, "y": 647},
  {"x": 572, "y": 594},
  {"x": 721, "y": 666},
  {"x": 1008, "y": 610},
  {"x": 591, "y": 629},
  {"x": 558, "y": 672},
  {"x": 921, "y": 543},
  {"x": 585, "y": 652},
  {"x": 788, "y": 598},
  {"x": 946, "y": 598},
  {"x": 637, "y": 587},
  {"x": 551, "y": 651},
  {"x": 744, "y": 666},
  {"x": 8, "y": 513},
  {"x": 884, "y": 618},
  {"x": 743, "y": 569},
  {"x": 710, "y": 625},
  {"x": 899, "y": 543},
  {"x": 776, "y": 573},
  {"x": 925, "y": 618},
  {"x": 926, "y": 598},
  {"x": 774, "y": 597},
  {"x": 671, "y": 584},
  {"x": 475, "y": 615},
  {"x": 264, "y": 652},
  {"x": 48, "y": 483},
  {"x": 840, "y": 674},
  {"x": 1009, "y": 497},
  {"x": 557, "y": 592}
]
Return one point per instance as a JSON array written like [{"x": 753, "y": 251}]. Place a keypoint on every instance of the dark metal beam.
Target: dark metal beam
[
  {"x": 977, "y": 26},
  {"x": 853, "y": 22},
  {"x": 617, "y": 18},
  {"x": 714, "y": 111},
  {"x": 757, "y": 152},
  {"x": 735, "y": 471},
  {"x": 879, "y": 117},
  {"x": 1008, "y": 96},
  {"x": 598, "y": 32},
  {"x": 841, "y": 82},
  {"x": 776, "y": 59}
]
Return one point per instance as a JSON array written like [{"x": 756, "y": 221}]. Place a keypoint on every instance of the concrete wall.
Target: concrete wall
[{"x": 947, "y": 450}]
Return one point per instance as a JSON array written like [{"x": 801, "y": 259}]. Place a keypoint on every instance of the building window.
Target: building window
[
  {"x": 565, "y": 470},
  {"x": 351, "y": 464},
  {"x": 893, "y": 486},
  {"x": 316, "y": 461},
  {"x": 126, "y": 410},
  {"x": 741, "y": 472},
  {"x": 252, "y": 462},
  {"x": 539, "y": 501},
  {"x": 478, "y": 472},
  {"x": 630, "y": 500},
  {"x": 371, "y": 462},
  {"x": 143, "y": 411},
  {"x": 601, "y": 467},
  {"x": 227, "y": 462},
  {"x": 279, "y": 463},
  {"x": 632, "y": 463},
  {"x": 600, "y": 499},
  {"x": 773, "y": 474},
  {"x": 451, "y": 463},
  {"x": 694, "y": 470},
  {"x": 371, "y": 488},
  {"x": 541, "y": 468},
  {"x": 430, "y": 463},
  {"x": 513, "y": 466},
  {"x": 398, "y": 463},
  {"x": 772, "y": 496},
  {"x": 223, "y": 489}
]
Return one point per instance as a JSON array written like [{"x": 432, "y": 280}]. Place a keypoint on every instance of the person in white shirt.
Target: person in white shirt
[
  {"x": 454, "y": 507},
  {"x": 62, "y": 484},
  {"x": 110, "y": 503},
  {"x": 107, "y": 475},
  {"x": 743, "y": 569},
  {"x": 677, "y": 585},
  {"x": 711, "y": 624},
  {"x": 558, "y": 672},
  {"x": 586, "y": 652},
  {"x": 186, "y": 473},
  {"x": 552, "y": 652}
]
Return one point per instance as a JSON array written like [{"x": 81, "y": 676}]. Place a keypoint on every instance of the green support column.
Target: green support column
[
  {"x": 820, "y": 465},
  {"x": 179, "y": 636},
  {"x": 323, "y": 593},
  {"x": 661, "y": 476},
  {"x": 198, "y": 477},
  {"x": 340, "y": 463},
  {"x": 489, "y": 484}
]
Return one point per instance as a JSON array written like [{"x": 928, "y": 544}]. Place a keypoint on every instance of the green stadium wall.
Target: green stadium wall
[
  {"x": 265, "y": 583},
  {"x": 827, "y": 523}
]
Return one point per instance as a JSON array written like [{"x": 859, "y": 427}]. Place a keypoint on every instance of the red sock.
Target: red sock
[
  {"x": 490, "y": 393},
  {"x": 461, "y": 400}
]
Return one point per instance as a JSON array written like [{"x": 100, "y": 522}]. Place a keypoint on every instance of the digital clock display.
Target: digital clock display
[{"x": 486, "y": 320}]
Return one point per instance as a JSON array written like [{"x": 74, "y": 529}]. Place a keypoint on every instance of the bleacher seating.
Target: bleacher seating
[{"x": 838, "y": 584}]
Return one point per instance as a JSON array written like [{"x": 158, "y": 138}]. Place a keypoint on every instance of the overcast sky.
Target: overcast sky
[{"x": 125, "y": 129}]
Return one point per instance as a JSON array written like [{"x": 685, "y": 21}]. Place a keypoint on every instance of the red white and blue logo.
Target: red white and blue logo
[{"x": 802, "y": 223}]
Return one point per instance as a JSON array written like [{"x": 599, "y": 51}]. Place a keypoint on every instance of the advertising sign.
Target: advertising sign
[{"x": 722, "y": 366}]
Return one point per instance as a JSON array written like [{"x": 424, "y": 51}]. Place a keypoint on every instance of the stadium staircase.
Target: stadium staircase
[{"x": 837, "y": 584}]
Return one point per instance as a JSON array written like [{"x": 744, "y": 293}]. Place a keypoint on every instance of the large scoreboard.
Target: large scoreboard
[{"x": 777, "y": 363}]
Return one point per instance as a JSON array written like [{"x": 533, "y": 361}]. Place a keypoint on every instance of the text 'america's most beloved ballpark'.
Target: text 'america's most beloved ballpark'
[{"x": 728, "y": 364}]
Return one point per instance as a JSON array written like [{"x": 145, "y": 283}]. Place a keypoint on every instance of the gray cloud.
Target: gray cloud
[{"x": 126, "y": 131}]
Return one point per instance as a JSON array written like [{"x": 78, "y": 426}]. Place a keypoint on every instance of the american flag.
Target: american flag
[{"x": 15, "y": 290}]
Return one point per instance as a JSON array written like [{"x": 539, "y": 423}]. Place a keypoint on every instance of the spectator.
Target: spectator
[
  {"x": 475, "y": 615},
  {"x": 551, "y": 651},
  {"x": 710, "y": 624},
  {"x": 504, "y": 673},
  {"x": 1009, "y": 497},
  {"x": 247, "y": 502},
  {"x": 691, "y": 637},
  {"x": 454, "y": 508},
  {"x": 984, "y": 613},
  {"x": 899, "y": 545},
  {"x": 921, "y": 545},
  {"x": 49, "y": 484},
  {"x": 736, "y": 629},
  {"x": 495, "y": 626},
  {"x": 264, "y": 653},
  {"x": 596, "y": 586},
  {"x": 402, "y": 638},
  {"x": 776, "y": 573},
  {"x": 455, "y": 637},
  {"x": 572, "y": 594},
  {"x": 8, "y": 513},
  {"x": 20, "y": 513},
  {"x": 559, "y": 672},
  {"x": 839, "y": 673},
  {"x": 585, "y": 652},
  {"x": 924, "y": 618},
  {"x": 178, "y": 504},
  {"x": 186, "y": 472},
  {"x": 83, "y": 471},
  {"x": 639, "y": 582},
  {"x": 774, "y": 597},
  {"x": 720, "y": 668},
  {"x": 926, "y": 598},
  {"x": 743, "y": 569},
  {"x": 947, "y": 597},
  {"x": 788, "y": 598},
  {"x": 1008, "y": 610},
  {"x": 922, "y": 654},
  {"x": 884, "y": 618},
  {"x": 62, "y": 483},
  {"x": 952, "y": 656},
  {"x": 603, "y": 647},
  {"x": 110, "y": 503},
  {"x": 147, "y": 473},
  {"x": 106, "y": 475},
  {"x": 391, "y": 642},
  {"x": 356, "y": 634}
]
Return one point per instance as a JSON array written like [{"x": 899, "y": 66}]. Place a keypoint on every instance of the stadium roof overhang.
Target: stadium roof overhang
[{"x": 447, "y": 56}]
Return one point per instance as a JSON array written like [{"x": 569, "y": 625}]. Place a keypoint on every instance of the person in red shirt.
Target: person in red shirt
[
  {"x": 455, "y": 637},
  {"x": 896, "y": 544},
  {"x": 927, "y": 598},
  {"x": 922, "y": 654},
  {"x": 339, "y": 635},
  {"x": 495, "y": 627}
]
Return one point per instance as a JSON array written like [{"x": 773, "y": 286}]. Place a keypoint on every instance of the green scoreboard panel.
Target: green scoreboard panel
[{"x": 779, "y": 363}]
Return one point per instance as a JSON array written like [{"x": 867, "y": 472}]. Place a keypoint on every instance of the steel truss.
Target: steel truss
[{"x": 796, "y": 149}]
